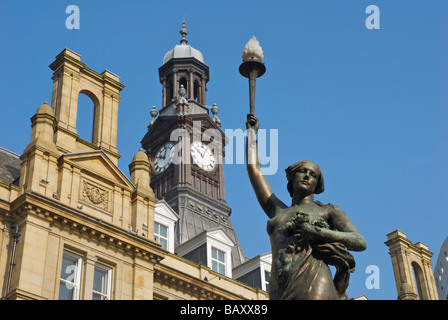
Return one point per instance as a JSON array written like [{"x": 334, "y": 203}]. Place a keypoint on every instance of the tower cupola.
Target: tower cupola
[
  {"x": 184, "y": 66},
  {"x": 183, "y": 50}
]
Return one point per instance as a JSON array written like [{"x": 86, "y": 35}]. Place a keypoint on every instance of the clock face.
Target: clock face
[
  {"x": 202, "y": 156},
  {"x": 164, "y": 157}
]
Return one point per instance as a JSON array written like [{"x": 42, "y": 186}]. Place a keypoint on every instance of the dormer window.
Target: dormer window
[
  {"x": 212, "y": 248},
  {"x": 164, "y": 220},
  {"x": 255, "y": 272}
]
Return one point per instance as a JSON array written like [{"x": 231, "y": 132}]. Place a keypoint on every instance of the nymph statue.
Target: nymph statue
[{"x": 307, "y": 236}]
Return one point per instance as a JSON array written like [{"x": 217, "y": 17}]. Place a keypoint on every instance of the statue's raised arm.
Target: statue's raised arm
[{"x": 266, "y": 197}]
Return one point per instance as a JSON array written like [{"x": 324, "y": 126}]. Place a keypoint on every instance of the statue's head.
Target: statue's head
[{"x": 294, "y": 168}]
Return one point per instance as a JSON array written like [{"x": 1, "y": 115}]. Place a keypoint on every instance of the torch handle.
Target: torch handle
[{"x": 252, "y": 79}]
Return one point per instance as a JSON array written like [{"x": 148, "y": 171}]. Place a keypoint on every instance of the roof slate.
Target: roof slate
[{"x": 9, "y": 167}]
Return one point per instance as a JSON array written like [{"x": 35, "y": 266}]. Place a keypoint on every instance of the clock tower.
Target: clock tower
[{"x": 185, "y": 146}]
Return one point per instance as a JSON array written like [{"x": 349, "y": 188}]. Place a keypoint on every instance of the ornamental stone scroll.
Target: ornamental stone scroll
[{"x": 95, "y": 196}]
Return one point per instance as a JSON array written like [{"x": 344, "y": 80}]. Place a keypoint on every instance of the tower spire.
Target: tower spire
[{"x": 184, "y": 33}]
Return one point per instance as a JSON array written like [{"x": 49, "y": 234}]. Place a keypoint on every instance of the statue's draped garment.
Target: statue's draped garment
[{"x": 300, "y": 271}]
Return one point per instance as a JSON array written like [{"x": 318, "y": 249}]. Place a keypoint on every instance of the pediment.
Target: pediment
[
  {"x": 266, "y": 257},
  {"x": 165, "y": 210},
  {"x": 218, "y": 234},
  {"x": 97, "y": 163}
]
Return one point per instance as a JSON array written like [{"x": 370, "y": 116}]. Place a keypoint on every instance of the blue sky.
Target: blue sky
[{"x": 369, "y": 106}]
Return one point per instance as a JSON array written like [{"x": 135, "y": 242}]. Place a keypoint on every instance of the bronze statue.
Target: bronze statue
[{"x": 305, "y": 237}]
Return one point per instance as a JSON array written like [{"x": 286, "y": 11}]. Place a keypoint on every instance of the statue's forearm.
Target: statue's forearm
[
  {"x": 258, "y": 181},
  {"x": 352, "y": 240},
  {"x": 253, "y": 161}
]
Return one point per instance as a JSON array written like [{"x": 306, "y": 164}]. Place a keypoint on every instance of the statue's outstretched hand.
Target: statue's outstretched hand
[{"x": 252, "y": 122}]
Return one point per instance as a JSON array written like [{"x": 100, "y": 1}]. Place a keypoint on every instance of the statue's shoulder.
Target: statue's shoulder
[
  {"x": 320, "y": 204},
  {"x": 328, "y": 205}
]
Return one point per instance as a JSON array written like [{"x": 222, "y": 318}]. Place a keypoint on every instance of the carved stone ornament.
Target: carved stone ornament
[{"x": 94, "y": 195}]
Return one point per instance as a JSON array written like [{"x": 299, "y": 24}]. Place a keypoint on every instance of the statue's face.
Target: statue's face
[{"x": 306, "y": 178}]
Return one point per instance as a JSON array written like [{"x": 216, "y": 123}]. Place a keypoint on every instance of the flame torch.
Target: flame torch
[{"x": 252, "y": 67}]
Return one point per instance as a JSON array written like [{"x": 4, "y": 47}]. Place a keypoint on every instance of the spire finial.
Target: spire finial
[
  {"x": 153, "y": 114},
  {"x": 184, "y": 33}
]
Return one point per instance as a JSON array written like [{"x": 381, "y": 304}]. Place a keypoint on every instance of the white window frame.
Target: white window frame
[
  {"x": 264, "y": 283},
  {"x": 76, "y": 284},
  {"x": 159, "y": 236},
  {"x": 166, "y": 216},
  {"x": 265, "y": 266},
  {"x": 108, "y": 270},
  {"x": 218, "y": 262}
]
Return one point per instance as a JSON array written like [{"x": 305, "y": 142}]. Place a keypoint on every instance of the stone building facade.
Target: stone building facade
[
  {"x": 412, "y": 268},
  {"x": 74, "y": 226}
]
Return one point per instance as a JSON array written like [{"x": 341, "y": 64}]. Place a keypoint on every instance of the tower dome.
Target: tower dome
[
  {"x": 140, "y": 156},
  {"x": 45, "y": 108},
  {"x": 183, "y": 50}
]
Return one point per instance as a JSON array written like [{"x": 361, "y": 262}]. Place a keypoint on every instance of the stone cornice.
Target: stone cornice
[
  {"x": 74, "y": 59},
  {"x": 18, "y": 294},
  {"x": 87, "y": 226},
  {"x": 8, "y": 186},
  {"x": 5, "y": 212},
  {"x": 32, "y": 147},
  {"x": 195, "y": 286}
]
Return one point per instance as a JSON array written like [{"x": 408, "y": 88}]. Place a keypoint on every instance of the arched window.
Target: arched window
[
  {"x": 418, "y": 278},
  {"x": 196, "y": 91},
  {"x": 183, "y": 82},
  {"x": 85, "y": 116},
  {"x": 169, "y": 91}
]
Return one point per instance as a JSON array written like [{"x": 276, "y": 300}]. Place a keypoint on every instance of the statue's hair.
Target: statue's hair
[{"x": 291, "y": 170}]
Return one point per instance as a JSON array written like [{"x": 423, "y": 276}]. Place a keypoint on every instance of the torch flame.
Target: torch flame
[{"x": 252, "y": 50}]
